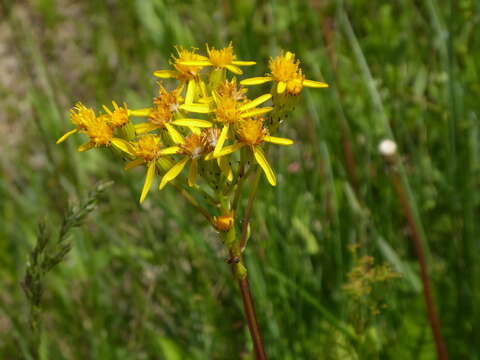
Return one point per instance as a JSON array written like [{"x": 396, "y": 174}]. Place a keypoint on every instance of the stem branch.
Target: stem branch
[{"x": 248, "y": 210}]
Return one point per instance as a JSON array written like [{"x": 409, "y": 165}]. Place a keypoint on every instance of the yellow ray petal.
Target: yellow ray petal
[
  {"x": 256, "y": 112},
  {"x": 170, "y": 150},
  {"x": 314, "y": 84},
  {"x": 203, "y": 89},
  {"x": 165, "y": 74},
  {"x": 228, "y": 150},
  {"x": 148, "y": 181},
  {"x": 174, "y": 134},
  {"x": 262, "y": 161},
  {"x": 193, "y": 122},
  {"x": 190, "y": 95},
  {"x": 221, "y": 140},
  {"x": 255, "y": 102},
  {"x": 256, "y": 80},
  {"x": 66, "y": 135},
  {"x": 174, "y": 171},
  {"x": 86, "y": 146},
  {"x": 205, "y": 100},
  {"x": 216, "y": 97},
  {"x": 140, "y": 112},
  {"x": 192, "y": 172},
  {"x": 123, "y": 145},
  {"x": 243, "y": 63},
  {"x": 281, "y": 86},
  {"x": 106, "y": 109},
  {"x": 277, "y": 140},
  {"x": 234, "y": 69},
  {"x": 143, "y": 128},
  {"x": 196, "y": 63},
  {"x": 197, "y": 108},
  {"x": 134, "y": 163}
]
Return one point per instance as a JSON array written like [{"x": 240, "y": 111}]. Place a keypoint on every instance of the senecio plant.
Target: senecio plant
[{"x": 204, "y": 136}]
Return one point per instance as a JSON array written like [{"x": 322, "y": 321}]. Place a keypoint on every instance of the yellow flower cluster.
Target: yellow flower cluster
[{"x": 205, "y": 120}]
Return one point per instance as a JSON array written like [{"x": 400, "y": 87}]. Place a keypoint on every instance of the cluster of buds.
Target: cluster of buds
[{"x": 205, "y": 122}]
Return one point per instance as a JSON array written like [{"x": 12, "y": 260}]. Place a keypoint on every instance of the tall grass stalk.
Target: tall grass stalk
[{"x": 441, "y": 348}]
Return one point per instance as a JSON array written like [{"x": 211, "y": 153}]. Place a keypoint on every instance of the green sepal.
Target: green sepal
[
  {"x": 127, "y": 132},
  {"x": 217, "y": 76}
]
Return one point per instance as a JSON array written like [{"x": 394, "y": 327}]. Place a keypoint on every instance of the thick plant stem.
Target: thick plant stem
[
  {"x": 427, "y": 292},
  {"x": 240, "y": 272},
  {"x": 252, "y": 319}
]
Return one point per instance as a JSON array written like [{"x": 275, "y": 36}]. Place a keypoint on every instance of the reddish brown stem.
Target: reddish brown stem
[
  {"x": 252, "y": 319},
  {"x": 427, "y": 292},
  {"x": 236, "y": 259}
]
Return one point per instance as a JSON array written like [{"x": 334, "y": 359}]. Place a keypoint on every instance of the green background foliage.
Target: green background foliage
[{"x": 150, "y": 282}]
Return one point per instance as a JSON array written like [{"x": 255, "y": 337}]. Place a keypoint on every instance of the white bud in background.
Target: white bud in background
[{"x": 387, "y": 147}]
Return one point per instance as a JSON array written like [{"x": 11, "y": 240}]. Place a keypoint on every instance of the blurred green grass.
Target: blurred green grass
[{"x": 150, "y": 282}]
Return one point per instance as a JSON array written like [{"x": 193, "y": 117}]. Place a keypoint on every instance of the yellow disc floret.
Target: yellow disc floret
[
  {"x": 193, "y": 146},
  {"x": 187, "y": 72},
  {"x": 160, "y": 115},
  {"x": 119, "y": 115},
  {"x": 98, "y": 130},
  {"x": 221, "y": 58},
  {"x": 148, "y": 147},
  {"x": 170, "y": 100},
  {"x": 295, "y": 85},
  {"x": 227, "y": 111},
  {"x": 231, "y": 90},
  {"x": 80, "y": 115},
  {"x": 164, "y": 107},
  {"x": 251, "y": 131},
  {"x": 284, "y": 67}
]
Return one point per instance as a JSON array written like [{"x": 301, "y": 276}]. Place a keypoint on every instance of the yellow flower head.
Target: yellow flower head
[
  {"x": 286, "y": 73},
  {"x": 226, "y": 59},
  {"x": 148, "y": 147},
  {"x": 232, "y": 90},
  {"x": 221, "y": 58},
  {"x": 187, "y": 72},
  {"x": 168, "y": 99},
  {"x": 119, "y": 115},
  {"x": 98, "y": 130},
  {"x": 193, "y": 146},
  {"x": 227, "y": 111},
  {"x": 285, "y": 70},
  {"x": 251, "y": 131},
  {"x": 80, "y": 115},
  {"x": 295, "y": 85},
  {"x": 284, "y": 67},
  {"x": 160, "y": 115},
  {"x": 165, "y": 105}
]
